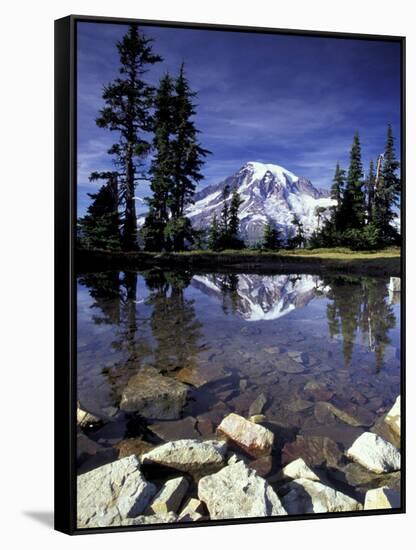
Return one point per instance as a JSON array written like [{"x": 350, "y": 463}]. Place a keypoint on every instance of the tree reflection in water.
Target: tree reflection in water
[{"x": 360, "y": 304}]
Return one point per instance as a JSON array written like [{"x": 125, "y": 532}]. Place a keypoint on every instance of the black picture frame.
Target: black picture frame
[{"x": 65, "y": 268}]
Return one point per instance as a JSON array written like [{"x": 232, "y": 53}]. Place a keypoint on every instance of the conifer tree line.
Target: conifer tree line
[
  {"x": 146, "y": 121},
  {"x": 363, "y": 217}
]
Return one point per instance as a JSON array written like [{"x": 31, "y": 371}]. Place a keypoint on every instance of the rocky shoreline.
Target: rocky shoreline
[{"x": 227, "y": 474}]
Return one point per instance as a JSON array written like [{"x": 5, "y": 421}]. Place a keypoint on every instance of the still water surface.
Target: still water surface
[{"x": 298, "y": 339}]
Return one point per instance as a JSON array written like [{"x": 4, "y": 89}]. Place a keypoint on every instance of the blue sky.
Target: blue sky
[{"x": 288, "y": 100}]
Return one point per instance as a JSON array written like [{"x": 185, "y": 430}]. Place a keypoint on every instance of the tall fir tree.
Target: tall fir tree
[
  {"x": 214, "y": 234},
  {"x": 161, "y": 168},
  {"x": 298, "y": 239},
  {"x": 100, "y": 227},
  {"x": 271, "y": 237},
  {"x": 370, "y": 190},
  {"x": 337, "y": 194},
  {"x": 128, "y": 99},
  {"x": 234, "y": 221},
  {"x": 387, "y": 193},
  {"x": 187, "y": 155},
  {"x": 353, "y": 205}
]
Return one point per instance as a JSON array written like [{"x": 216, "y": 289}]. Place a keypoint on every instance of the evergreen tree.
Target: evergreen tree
[
  {"x": 387, "y": 194},
  {"x": 161, "y": 169},
  {"x": 214, "y": 234},
  {"x": 298, "y": 239},
  {"x": 187, "y": 153},
  {"x": 370, "y": 184},
  {"x": 337, "y": 194},
  {"x": 271, "y": 237},
  {"x": 99, "y": 228},
  {"x": 225, "y": 213},
  {"x": 234, "y": 222},
  {"x": 353, "y": 206},
  {"x": 128, "y": 100}
]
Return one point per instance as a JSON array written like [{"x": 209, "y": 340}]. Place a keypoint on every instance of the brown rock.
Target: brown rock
[
  {"x": 133, "y": 446},
  {"x": 315, "y": 451},
  {"x": 254, "y": 439},
  {"x": 176, "y": 429},
  {"x": 202, "y": 374}
]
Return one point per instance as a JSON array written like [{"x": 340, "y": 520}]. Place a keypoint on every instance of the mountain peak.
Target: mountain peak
[
  {"x": 269, "y": 192},
  {"x": 260, "y": 169}
]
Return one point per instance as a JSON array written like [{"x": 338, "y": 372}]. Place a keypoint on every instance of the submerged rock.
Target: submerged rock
[
  {"x": 257, "y": 418},
  {"x": 298, "y": 469},
  {"x": 315, "y": 450},
  {"x": 393, "y": 417},
  {"x": 171, "y": 430},
  {"x": 256, "y": 408},
  {"x": 305, "y": 496},
  {"x": 154, "y": 396},
  {"x": 374, "y": 453},
  {"x": 363, "y": 479},
  {"x": 354, "y": 415},
  {"x": 254, "y": 439},
  {"x": 202, "y": 374},
  {"x": 318, "y": 391},
  {"x": 189, "y": 455},
  {"x": 381, "y": 499},
  {"x": 289, "y": 366},
  {"x": 237, "y": 491},
  {"x": 170, "y": 497},
  {"x": 112, "y": 493}
]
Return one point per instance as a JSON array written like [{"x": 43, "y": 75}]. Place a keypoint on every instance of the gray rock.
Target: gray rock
[
  {"x": 189, "y": 455},
  {"x": 170, "y": 497},
  {"x": 381, "y": 499},
  {"x": 153, "y": 519},
  {"x": 374, "y": 453},
  {"x": 236, "y": 491},
  {"x": 154, "y": 396},
  {"x": 112, "y": 493},
  {"x": 254, "y": 439},
  {"x": 258, "y": 405},
  {"x": 363, "y": 479},
  {"x": 305, "y": 496}
]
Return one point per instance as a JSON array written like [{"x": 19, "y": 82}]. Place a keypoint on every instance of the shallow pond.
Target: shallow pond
[{"x": 323, "y": 351}]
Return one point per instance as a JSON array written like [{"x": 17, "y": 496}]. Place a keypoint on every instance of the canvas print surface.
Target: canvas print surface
[{"x": 238, "y": 275}]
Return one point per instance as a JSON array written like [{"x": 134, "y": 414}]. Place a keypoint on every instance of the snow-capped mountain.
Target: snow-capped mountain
[
  {"x": 269, "y": 192},
  {"x": 262, "y": 298}
]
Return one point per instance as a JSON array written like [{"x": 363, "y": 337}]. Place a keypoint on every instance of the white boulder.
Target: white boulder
[
  {"x": 374, "y": 453},
  {"x": 111, "y": 493},
  {"x": 189, "y": 455},
  {"x": 237, "y": 491},
  {"x": 306, "y": 497}
]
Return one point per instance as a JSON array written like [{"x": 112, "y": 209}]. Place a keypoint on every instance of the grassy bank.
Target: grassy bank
[{"x": 375, "y": 263}]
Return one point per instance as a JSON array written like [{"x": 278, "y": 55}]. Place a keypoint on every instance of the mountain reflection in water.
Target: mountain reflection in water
[{"x": 253, "y": 326}]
